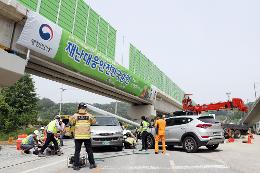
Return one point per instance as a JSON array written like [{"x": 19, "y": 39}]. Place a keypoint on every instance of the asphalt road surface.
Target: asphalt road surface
[{"x": 228, "y": 158}]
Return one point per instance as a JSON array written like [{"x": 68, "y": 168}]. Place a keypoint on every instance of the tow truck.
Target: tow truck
[{"x": 234, "y": 103}]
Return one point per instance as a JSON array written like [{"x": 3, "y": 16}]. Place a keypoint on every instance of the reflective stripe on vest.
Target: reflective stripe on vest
[
  {"x": 26, "y": 140},
  {"x": 52, "y": 127},
  {"x": 82, "y": 126},
  {"x": 145, "y": 126}
]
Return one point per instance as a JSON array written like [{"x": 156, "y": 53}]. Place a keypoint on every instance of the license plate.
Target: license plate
[
  {"x": 216, "y": 133},
  {"x": 106, "y": 142}
]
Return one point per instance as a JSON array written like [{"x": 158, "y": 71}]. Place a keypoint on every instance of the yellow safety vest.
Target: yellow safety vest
[
  {"x": 25, "y": 140},
  {"x": 52, "y": 127},
  {"x": 145, "y": 126},
  {"x": 82, "y": 126}
]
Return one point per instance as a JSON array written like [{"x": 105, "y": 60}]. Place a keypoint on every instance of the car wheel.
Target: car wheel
[
  {"x": 190, "y": 144},
  {"x": 237, "y": 134},
  {"x": 150, "y": 141},
  {"x": 212, "y": 147},
  {"x": 119, "y": 148}
]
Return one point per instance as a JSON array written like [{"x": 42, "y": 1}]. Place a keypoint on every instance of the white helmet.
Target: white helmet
[
  {"x": 42, "y": 128},
  {"x": 36, "y": 132},
  {"x": 57, "y": 117}
]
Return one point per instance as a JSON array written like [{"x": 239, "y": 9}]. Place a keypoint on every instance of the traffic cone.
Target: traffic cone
[
  {"x": 249, "y": 140},
  {"x": 230, "y": 139}
]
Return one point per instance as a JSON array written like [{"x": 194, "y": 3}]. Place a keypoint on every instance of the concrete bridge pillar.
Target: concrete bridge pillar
[
  {"x": 11, "y": 68},
  {"x": 137, "y": 111}
]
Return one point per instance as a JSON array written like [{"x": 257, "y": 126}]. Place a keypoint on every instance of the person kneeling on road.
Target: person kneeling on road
[
  {"x": 29, "y": 142},
  {"x": 52, "y": 129},
  {"x": 160, "y": 125},
  {"x": 130, "y": 141},
  {"x": 82, "y": 121}
]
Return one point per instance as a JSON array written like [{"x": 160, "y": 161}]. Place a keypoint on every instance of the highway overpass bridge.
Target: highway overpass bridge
[
  {"x": 68, "y": 42},
  {"x": 253, "y": 115}
]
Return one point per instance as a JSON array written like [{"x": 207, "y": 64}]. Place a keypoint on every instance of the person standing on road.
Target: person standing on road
[
  {"x": 52, "y": 130},
  {"x": 61, "y": 136},
  {"x": 160, "y": 125},
  {"x": 144, "y": 134},
  {"x": 82, "y": 121}
]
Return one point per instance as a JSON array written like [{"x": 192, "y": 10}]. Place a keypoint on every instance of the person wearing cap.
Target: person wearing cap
[
  {"x": 61, "y": 136},
  {"x": 42, "y": 134},
  {"x": 29, "y": 142},
  {"x": 52, "y": 129},
  {"x": 82, "y": 121},
  {"x": 144, "y": 134}
]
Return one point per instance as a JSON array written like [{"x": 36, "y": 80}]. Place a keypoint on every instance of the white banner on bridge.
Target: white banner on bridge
[{"x": 40, "y": 35}]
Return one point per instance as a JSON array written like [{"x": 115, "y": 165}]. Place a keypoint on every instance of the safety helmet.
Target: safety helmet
[
  {"x": 82, "y": 106},
  {"x": 42, "y": 128},
  {"x": 57, "y": 117},
  {"x": 36, "y": 132}
]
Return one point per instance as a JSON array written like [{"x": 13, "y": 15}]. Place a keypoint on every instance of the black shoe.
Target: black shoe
[
  {"x": 59, "y": 153},
  {"x": 76, "y": 168},
  {"x": 92, "y": 166},
  {"x": 155, "y": 152},
  {"x": 41, "y": 154}
]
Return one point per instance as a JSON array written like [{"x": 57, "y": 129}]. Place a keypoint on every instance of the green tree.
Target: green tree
[{"x": 21, "y": 102}]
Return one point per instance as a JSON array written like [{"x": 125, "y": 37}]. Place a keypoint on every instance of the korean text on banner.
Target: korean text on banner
[{"x": 40, "y": 35}]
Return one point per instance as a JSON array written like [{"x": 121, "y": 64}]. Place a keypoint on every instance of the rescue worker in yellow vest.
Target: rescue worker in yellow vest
[
  {"x": 52, "y": 129},
  {"x": 82, "y": 121},
  {"x": 144, "y": 134},
  {"x": 160, "y": 125},
  {"x": 29, "y": 142}
]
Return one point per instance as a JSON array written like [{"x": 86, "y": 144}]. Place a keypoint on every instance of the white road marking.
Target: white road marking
[
  {"x": 173, "y": 167},
  {"x": 41, "y": 167},
  {"x": 201, "y": 167},
  {"x": 172, "y": 164},
  {"x": 134, "y": 168}
]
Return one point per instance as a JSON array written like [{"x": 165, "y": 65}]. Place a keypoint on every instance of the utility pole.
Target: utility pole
[
  {"x": 228, "y": 95},
  {"x": 61, "y": 92},
  {"x": 255, "y": 90}
]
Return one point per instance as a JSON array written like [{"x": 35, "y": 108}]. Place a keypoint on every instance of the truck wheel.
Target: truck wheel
[
  {"x": 190, "y": 144},
  {"x": 237, "y": 134},
  {"x": 232, "y": 133},
  {"x": 150, "y": 141},
  {"x": 212, "y": 147},
  {"x": 225, "y": 133}
]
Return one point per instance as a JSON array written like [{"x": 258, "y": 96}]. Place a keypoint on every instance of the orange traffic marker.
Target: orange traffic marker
[
  {"x": 249, "y": 140},
  {"x": 230, "y": 138}
]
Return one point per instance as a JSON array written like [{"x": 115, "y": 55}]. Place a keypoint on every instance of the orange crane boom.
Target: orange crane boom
[{"x": 235, "y": 103}]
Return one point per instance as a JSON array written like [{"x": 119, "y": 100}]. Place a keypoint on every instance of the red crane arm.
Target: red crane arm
[{"x": 235, "y": 103}]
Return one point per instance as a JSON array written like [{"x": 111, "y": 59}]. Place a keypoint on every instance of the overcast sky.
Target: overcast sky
[{"x": 207, "y": 47}]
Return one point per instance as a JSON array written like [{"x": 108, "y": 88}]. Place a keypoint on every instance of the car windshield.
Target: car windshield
[
  {"x": 106, "y": 121},
  {"x": 208, "y": 119}
]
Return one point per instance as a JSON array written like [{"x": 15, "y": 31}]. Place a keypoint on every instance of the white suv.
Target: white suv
[{"x": 193, "y": 131}]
